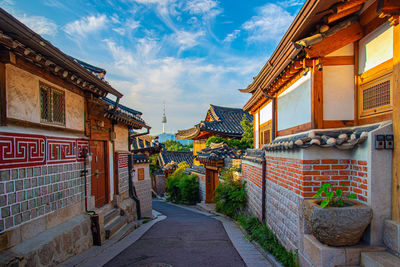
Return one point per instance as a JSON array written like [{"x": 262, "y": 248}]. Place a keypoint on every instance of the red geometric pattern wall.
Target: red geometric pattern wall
[
  {"x": 26, "y": 150},
  {"x": 122, "y": 159}
]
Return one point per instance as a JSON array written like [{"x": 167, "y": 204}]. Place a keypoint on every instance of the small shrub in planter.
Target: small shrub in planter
[
  {"x": 230, "y": 194},
  {"x": 334, "y": 220}
]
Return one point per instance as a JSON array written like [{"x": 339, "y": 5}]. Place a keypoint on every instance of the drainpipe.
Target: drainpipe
[
  {"x": 263, "y": 164},
  {"x": 132, "y": 189}
]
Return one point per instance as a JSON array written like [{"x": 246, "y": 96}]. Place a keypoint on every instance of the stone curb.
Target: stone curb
[{"x": 99, "y": 256}]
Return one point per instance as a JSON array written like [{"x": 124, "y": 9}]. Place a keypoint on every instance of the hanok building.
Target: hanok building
[
  {"x": 64, "y": 150},
  {"x": 219, "y": 121},
  {"x": 329, "y": 91}
]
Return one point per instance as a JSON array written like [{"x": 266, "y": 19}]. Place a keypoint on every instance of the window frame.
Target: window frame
[{"x": 51, "y": 91}]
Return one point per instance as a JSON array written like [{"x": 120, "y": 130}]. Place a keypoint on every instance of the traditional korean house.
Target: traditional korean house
[
  {"x": 64, "y": 149},
  {"x": 213, "y": 158},
  {"x": 325, "y": 109},
  {"x": 219, "y": 121},
  {"x": 169, "y": 160},
  {"x": 146, "y": 144}
]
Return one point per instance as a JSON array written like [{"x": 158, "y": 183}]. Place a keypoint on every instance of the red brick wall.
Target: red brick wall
[
  {"x": 253, "y": 174},
  {"x": 304, "y": 177}
]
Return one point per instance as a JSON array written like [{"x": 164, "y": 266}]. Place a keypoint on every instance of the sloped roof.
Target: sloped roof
[
  {"x": 217, "y": 152},
  {"x": 142, "y": 144},
  {"x": 166, "y": 157},
  {"x": 89, "y": 67},
  {"x": 124, "y": 114},
  {"x": 219, "y": 120}
]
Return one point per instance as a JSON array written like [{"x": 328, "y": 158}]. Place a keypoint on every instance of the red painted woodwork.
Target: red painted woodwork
[
  {"x": 211, "y": 183},
  {"x": 99, "y": 174},
  {"x": 27, "y": 150}
]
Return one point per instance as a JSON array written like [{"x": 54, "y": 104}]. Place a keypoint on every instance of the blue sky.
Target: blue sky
[{"x": 188, "y": 53}]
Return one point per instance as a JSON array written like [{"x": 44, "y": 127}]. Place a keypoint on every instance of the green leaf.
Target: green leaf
[
  {"x": 318, "y": 194},
  {"x": 329, "y": 195},
  {"x": 339, "y": 192},
  {"x": 340, "y": 202},
  {"x": 324, "y": 203},
  {"x": 326, "y": 188},
  {"x": 352, "y": 196}
]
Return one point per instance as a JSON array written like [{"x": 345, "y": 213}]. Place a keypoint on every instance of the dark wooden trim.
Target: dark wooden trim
[
  {"x": 46, "y": 75},
  {"x": 273, "y": 123},
  {"x": 115, "y": 160},
  {"x": 317, "y": 108},
  {"x": 3, "y": 95},
  {"x": 337, "y": 123},
  {"x": 107, "y": 170},
  {"x": 356, "y": 62},
  {"x": 339, "y": 60},
  {"x": 28, "y": 124},
  {"x": 295, "y": 129}
]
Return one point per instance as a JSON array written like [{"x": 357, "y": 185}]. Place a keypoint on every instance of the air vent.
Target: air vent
[{"x": 376, "y": 96}]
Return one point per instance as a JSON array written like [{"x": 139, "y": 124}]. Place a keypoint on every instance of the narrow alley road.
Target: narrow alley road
[{"x": 185, "y": 238}]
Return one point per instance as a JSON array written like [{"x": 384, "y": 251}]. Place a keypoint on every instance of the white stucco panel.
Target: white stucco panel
[
  {"x": 121, "y": 137},
  {"x": 22, "y": 89},
  {"x": 294, "y": 105},
  {"x": 266, "y": 113},
  {"x": 75, "y": 111},
  {"x": 338, "y": 92},
  {"x": 376, "y": 48}
]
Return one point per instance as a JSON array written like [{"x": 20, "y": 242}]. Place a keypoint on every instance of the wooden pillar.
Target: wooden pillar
[
  {"x": 396, "y": 125},
  {"x": 3, "y": 96},
  {"x": 317, "y": 115}
]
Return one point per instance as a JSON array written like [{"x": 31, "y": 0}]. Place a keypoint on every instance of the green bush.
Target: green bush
[
  {"x": 230, "y": 194},
  {"x": 260, "y": 233},
  {"x": 183, "y": 188}
]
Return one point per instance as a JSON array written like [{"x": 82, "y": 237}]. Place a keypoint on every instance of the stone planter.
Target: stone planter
[{"x": 337, "y": 226}]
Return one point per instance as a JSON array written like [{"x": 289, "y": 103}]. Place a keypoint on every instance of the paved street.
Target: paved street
[{"x": 185, "y": 238}]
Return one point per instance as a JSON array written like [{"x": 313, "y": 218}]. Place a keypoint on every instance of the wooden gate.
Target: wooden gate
[
  {"x": 211, "y": 183},
  {"x": 99, "y": 172}
]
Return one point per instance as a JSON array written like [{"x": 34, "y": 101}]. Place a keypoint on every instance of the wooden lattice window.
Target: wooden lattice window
[
  {"x": 265, "y": 133},
  {"x": 140, "y": 174},
  {"x": 376, "y": 96},
  {"x": 52, "y": 105}
]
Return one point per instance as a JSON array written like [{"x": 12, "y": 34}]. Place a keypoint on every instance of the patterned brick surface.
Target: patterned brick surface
[
  {"x": 123, "y": 171},
  {"x": 143, "y": 191},
  {"x": 252, "y": 175},
  {"x": 32, "y": 192}
]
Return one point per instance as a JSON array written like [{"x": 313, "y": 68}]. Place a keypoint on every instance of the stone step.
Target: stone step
[
  {"x": 115, "y": 225},
  {"x": 379, "y": 259},
  {"x": 111, "y": 215}
]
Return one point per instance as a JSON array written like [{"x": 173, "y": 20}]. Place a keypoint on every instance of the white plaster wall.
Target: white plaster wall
[
  {"x": 294, "y": 104},
  {"x": 256, "y": 130},
  {"x": 266, "y": 113},
  {"x": 121, "y": 137},
  {"x": 146, "y": 168},
  {"x": 23, "y": 100},
  {"x": 347, "y": 50},
  {"x": 376, "y": 48},
  {"x": 338, "y": 92}
]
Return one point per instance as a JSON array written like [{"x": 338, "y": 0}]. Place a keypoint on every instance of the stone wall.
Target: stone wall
[
  {"x": 202, "y": 185},
  {"x": 28, "y": 193},
  {"x": 143, "y": 191},
  {"x": 159, "y": 180}
]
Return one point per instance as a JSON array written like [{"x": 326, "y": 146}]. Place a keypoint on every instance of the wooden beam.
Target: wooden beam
[
  {"x": 345, "y": 13},
  {"x": 295, "y": 129},
  {"x": 396, "y": 125},
  {"x": 339, "y": 60},
  {"x": 273, "y": 126},
  {"x": 337, "y": 40},
  {"x": 349, "y": 5},
  {"x": 317, "y": 109},
  {"x": 356, "y": 62},
  {"x": 3, "y": 95}
]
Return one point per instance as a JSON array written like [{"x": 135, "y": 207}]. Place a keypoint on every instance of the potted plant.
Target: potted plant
[{"x": 336, "y": 220}]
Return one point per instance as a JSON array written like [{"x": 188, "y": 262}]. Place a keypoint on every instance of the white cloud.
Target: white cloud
[
  {"x": 269, "y": 24},
  {"x": 38, "y": 24},
  {"x": 290, "y": 3},
  {"x": 200, "y": 7},
  {"x": 186, "y": 39},
  {"x": 86, "y": 25},
  {"x": 232, "y": 36}
]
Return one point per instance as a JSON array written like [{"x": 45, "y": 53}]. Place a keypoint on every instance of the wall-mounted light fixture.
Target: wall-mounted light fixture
[{"x": 319, "y": 66}]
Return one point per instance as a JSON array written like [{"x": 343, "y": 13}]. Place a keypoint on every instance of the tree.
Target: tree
[{"x": 173, "y": 145}]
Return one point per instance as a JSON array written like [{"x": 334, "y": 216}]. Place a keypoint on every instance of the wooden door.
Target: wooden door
[
  {"x": 211, "y": 184},
  {"x": 99, "y": 172}
]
